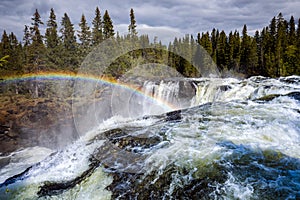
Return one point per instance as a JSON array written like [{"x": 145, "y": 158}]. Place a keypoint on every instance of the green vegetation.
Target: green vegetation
[{"x": 274, "y": 51}]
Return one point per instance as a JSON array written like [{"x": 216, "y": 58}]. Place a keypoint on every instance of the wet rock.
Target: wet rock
[
  {"x": 224, "y": 88},
  {"x": 294, "y": 95},
  {"x": 52, "y": 188},
  {"x": 173, "y": 116},
  {"x": 186, "y": 90},
  {"x": 268, "y": 97}
]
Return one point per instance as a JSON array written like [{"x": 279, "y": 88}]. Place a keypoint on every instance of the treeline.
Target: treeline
[{"x": 273, "y": 51}]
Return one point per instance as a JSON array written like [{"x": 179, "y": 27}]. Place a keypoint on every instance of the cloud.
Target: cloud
[{"x": 189, "y": 16}]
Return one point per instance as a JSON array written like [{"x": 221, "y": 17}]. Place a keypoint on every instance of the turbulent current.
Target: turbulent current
[{"x": 229, "y": 139}]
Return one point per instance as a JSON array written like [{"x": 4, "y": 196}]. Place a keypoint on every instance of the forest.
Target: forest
[{"x": 273, "y": 51}]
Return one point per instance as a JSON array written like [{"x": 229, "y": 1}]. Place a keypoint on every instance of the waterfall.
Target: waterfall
[{"x": 234, "y": 139}]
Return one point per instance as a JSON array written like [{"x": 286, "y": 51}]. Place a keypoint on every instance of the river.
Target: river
[{"x": 221, "y": 139}]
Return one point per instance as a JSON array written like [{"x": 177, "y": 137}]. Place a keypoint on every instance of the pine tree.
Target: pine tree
[
  {"x": 16, "y": 55},
  {"x": 35, "y": 31},
  {"x": 52, "y": 39},
  {"x": 222, "y": 60},
  {"x": 132, "y": 26},
  {"x": 26, "y": 37},
  {"x": 258, "y": 40},
  {"x": 206, "y": 43},
  {"x": 230, "y": 50},
  {"x": 292, "y": 32},
  {"x": 97, "y": 35},
  {"x": 252, "y": 60},
  {"x": 69, "y": 54},
  {"x": 298, "y": 49},
  {"x": 36, "y": 52},
  {"x": 68, "y": 33},
  {"x": 236, "y": 50},
  {"x": 214, "y": 41},
  {"x": 245, "y": 51},
  {"x": 108, "y": 29},
  {"x": 84, "y": 36},
  {"x": 281, "y": 43},
  {"x": 5, "y": 50}
]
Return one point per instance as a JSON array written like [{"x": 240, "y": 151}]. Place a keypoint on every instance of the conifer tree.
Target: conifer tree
[
  {"x": 222, "y": 51},
  {"x": 108, "y": 29},
  {"x": 16, "y": 55},
  {"x": 132, "y": 26},
  {"x": 206, "y": 43},
  {"x": 245, "y": 50},
  {"x": 53, "y": 42},
  {"x": 35, "y": 31},
  {"x": 258, "y": 40},
  {"x": 236, "y": 50},
  {"x": 84, "y": 35},
  {"x": 298, "y": 48},
  {"x": 281, "y": 43},
  {"x": 36, "y": 50},
  {"x": 292, "y": 32},
  {"x": 68, "y": 33},
  {"x": 231, "y": 40},
  {"x": 97, "y": 35},
  {"x": 26, "y": 37},
  {"x": 69, "y": 59},
  {"x": 214, "y": 41},
  {"x": 5, "y": 50},
  {"x": 52, "y": 39}
]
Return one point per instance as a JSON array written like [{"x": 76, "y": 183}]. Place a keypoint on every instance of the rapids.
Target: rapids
[{"x": 220, "y": 139}]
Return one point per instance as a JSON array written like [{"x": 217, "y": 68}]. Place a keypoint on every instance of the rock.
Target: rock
[
  {"x": 268, "y": 97},
  {"x": 4, "y": 129},
  {"x": 224, "y": 88},
  {"x": 173, "y": 116},
  {"x": 294, "y": 95}
]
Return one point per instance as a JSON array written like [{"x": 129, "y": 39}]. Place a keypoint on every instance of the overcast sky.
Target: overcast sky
[{"x": 165, "y": 18}]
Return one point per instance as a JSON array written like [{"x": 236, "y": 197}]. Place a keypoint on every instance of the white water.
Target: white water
[{"x": 234, "y": 127}]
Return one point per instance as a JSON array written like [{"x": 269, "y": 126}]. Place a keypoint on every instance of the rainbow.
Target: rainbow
[{"x": 85, "y": 77}]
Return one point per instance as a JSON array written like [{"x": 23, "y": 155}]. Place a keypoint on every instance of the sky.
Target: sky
[{"x": 163, "y": 18}]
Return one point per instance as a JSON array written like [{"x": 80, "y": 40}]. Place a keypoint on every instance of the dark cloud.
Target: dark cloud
[{"x": 190, "y": 16}]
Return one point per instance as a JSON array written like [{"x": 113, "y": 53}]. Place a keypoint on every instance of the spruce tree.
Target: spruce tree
[
  {"x": 26, "y": 37},
  {"x": 252, "y": 60},
  {"x": 108, "y": 29},
  {"x": 84, "y": 35},
  {"x": 36, "y": 50},
  {"x": 214, "y": 41},
  {"x": 68, "y": 33},
  {"x": 222, "y": 51},
  {"x": 231, "y": 40},
  {"x": 258, "y": 40},
  {"x": 236, "y": 50},
  {"x": 132, "y": 26},
  {"x": 281, "y": 43},
  {"x": 97, "y": 34},
  {"x": 298, "y": 49},
  {"x": 16, "y": 55},
  {"x": 5, "y": 50},
  {"x": 206, "y": 43},
  {"x": 69, "y": 54},
  {"x": 51, "y": 35},
  {"x": 35, "y": 31},
  {"x": 292, "y": 32},
  {"x": 53, "y": 42},
  {"x": 245, "y": 50}
]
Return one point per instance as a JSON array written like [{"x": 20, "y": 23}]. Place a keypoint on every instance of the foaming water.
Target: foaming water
[{"x": 239, "y": 141}]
